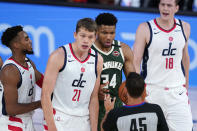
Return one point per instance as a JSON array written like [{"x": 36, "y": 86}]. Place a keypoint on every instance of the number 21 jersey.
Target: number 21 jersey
[{"x": 75, "y": 83}]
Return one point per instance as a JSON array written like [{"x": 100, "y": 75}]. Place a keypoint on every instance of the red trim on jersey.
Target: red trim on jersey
[
  {"x": 14, "y": 128},
  {"x": 45, "y": 127},
  {"x": 15, "y": 119},
  {"x": 54, "y": 111},
  {"x": 40, "y": 81},
  {"x": 76, "y": 57},
  {"x": 26, "y": 68},
  {"x": 167, "y": 31}
]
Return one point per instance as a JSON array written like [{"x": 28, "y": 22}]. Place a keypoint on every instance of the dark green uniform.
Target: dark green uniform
[{"x": 113, "y": 62}]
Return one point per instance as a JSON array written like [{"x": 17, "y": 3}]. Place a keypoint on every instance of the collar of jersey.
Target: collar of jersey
[
  {"x": 105, "y": 53},
  {"x": 130, "y": 106}
]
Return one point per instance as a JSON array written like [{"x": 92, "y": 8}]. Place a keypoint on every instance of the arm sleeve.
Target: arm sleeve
[
  {"x": 39, "y": 82},
  {"x": 110, "y": 122}
]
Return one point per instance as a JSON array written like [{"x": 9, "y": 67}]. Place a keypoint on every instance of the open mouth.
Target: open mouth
[
  {"x": 165, "y": 14},
  {"x": 84, "y": 46},
  {"x": 107, "y": 43}
]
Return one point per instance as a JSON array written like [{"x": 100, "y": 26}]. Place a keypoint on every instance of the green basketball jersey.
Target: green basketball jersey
[{"x": 113, "y": 62}]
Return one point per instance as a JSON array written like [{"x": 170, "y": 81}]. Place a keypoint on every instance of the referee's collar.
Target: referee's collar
[{"x": 129, "y": 106}]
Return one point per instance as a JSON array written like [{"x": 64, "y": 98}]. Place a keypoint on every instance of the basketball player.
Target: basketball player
[
  {"x": 163, "y": 45},
  {"x": 1, "y": 62},
  {"x": 18, "y": 77},
  {"x": 117, "y": 56},
  {"x": 137, "y": 115},
  {"x": 74, "y": 80}
]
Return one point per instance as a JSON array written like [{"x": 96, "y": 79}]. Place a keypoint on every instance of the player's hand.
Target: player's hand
[
  {"x": 103, "y": 90},
  {"x": 108, "y": 102}
]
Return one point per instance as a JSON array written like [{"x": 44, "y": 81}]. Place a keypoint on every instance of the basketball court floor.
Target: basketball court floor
[{"x": 38, "y": 116}]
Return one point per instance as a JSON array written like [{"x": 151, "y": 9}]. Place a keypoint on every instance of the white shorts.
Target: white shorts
[
  {"x": 8, "y": 123},
  {"x": 175, "y": 105},
  {"x": 66, "y": 122}
]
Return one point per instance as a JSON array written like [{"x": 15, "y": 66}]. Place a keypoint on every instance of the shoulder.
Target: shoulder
[
  {"x": 114, "y": 112},
  {"x": 143, "y": 31},
  {"x": 9, "y": 71},
  {"x": 143, "y": 25},
  {"x": 126, "y": 50},
  {"x": 124, "y": 46},
  {"x": 186, "y": 26},
  {"x": 155, "y": 107},
  {"x": 57, "y": 54},
  {"x": 57, "y": 57}
]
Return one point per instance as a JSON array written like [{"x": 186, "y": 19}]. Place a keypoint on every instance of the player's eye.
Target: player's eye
[{"x": 83, "y": 36}]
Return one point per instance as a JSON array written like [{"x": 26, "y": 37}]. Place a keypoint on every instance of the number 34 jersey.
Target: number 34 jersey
[
  {"x": 26, "y": 90},
  {"x": 113, "y": 62},
  {"x": 75, "y": 83},
  {"x": 162, "y": 60}
]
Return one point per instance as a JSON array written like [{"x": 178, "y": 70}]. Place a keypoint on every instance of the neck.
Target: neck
[
  {"x": 104, "y": 49},
  {"x": 134, "y": 101},
  {"x": 165, "y": 24},
  {"x": 19, "y": 57},
  {"x": 81, "y": 55}
]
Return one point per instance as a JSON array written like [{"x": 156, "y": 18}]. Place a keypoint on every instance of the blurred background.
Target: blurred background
[{"x": 51, "y": 23}]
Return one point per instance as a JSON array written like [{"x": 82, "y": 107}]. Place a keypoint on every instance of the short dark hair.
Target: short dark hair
[
  {"x": 106, "y": 19},
  {"x": 87, "y": 23},
  {"x": 135, "y": 84},
  {"x": 176, "y": 1},
  {"x": 9, "y": 34}
]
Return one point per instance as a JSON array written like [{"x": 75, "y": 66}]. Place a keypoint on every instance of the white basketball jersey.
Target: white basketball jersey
[
  {"x": 75, "y": 83},
  {"x": 162, "y": 60},
  {"x": 26, "y": 92}
]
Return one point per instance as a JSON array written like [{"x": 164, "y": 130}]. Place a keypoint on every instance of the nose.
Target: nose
[
  {"x": 165, "y": 7},
  {"x": 86, "y": 39},
  {"x": 30, "y": 40},
  {"x": 108, "y": 36}
]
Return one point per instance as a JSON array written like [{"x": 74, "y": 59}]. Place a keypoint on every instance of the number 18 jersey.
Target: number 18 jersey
[{"x": 162, "y": 60}]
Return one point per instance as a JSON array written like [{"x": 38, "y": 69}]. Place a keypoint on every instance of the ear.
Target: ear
[
  {"x": 14, "y": 45},
  {"x": 75, "y": 35},
  {"x": 177, "y": 9}
]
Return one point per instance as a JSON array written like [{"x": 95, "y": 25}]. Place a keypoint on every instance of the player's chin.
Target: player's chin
[
  {"x": 85, "y": 48},
  {"x": 107, "y": 45}
]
